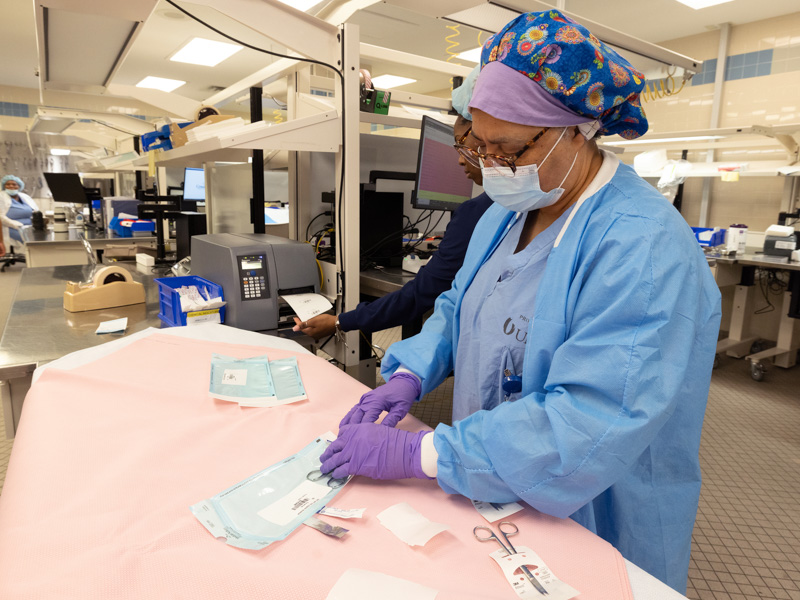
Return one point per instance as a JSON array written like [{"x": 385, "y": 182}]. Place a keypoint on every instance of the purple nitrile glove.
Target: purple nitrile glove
[
  {"x": 395, "y": 397},
  {"x": 375, "y": 451}
]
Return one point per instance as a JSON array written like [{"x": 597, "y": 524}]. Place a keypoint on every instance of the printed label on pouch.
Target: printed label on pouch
[
  {"x": 234, "y": 376},
  {"x": 288, "y": 508}
]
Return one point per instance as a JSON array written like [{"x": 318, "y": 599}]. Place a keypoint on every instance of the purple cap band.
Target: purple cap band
[{"x": 510, "y": 96}]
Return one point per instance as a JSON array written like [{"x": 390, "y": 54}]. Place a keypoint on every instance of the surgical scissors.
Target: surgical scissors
[
  {"x": 318, "y": 476},
  {"x": 510, "y": 530}
]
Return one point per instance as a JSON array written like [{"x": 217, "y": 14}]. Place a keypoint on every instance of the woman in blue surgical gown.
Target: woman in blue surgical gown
[
  {"x": 583, "y": 283},
  {"x": 16, "y": 209}
]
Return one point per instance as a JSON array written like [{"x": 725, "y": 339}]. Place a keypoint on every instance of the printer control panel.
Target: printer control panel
[{"x": 253, "y": 277}]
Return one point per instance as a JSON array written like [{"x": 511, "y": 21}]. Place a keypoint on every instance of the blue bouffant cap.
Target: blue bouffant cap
[
  {"x": 19, "y": 181},
  {"x": 564, "y": 60},
  {"x": 463, "y": 94}
]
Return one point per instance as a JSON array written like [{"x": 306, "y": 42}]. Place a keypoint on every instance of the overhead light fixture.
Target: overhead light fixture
[
  {"x": 303, "y": 5},
  {"x": 473, "y": 55},
  {"x": 208, "y": 53},
  {"x": 698, "y": 4},
  {"x": 690, "y": 138},
  {"x": 388, "y": 82},
  {"x": 49, "y": 126},
  {"x": 60, "y": 151},
  {"x": 160, "y": 83},
  {"x": 82, "y": 44}
]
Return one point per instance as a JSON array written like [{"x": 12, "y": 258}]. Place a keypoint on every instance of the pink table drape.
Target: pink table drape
[{"x": 109, "y": 457}]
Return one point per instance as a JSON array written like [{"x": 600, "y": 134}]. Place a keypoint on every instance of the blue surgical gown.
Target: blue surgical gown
[
  {"x": 19, "y": 211},
  {"x": 615, "y": 378}
]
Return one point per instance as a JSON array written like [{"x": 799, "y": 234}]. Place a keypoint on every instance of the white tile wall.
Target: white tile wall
[{"x": 769, "y": 100}]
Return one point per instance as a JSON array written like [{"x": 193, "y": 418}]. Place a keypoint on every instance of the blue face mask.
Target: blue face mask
[
  {"x": 268, "y": 506},
  {"x": 521, "y": 191},
  {"x": 12, "y": 192}
]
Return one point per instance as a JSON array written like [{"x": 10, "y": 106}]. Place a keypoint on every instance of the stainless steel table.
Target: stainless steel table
[
  {"x": 40, "y": 330},
  {"x": 379, "y": 282},
  {"x": 741, "y": 342},
  {"x": 49, "y": 248}
]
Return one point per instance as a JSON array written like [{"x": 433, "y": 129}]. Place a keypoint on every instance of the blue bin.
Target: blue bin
[
  {"x": 717, "y": 238},
  {"x": 170, "y": 301},
  {"x": 135, "y": 226}
]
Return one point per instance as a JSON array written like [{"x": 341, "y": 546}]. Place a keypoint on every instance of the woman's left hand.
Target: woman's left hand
[{"x": 375, "y": 451}]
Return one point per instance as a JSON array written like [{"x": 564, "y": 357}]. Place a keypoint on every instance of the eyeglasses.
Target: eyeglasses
[
  {"x": 477, "y": 158},
  {"x": 460, "y": 141}
]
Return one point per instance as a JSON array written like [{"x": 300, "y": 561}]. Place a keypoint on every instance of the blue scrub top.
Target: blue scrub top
[
  {"x": 19, "y": 211},
  {"x": 494, "y": 321}
]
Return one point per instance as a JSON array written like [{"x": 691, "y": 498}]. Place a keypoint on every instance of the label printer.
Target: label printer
[
  {"x": 780, "y": 240},
  {"x": 255, "y": 270}
]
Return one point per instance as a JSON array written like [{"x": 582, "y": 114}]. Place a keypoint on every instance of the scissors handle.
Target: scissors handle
[
  {"x": 488, "y": 537},
  {"x": 510, "y": 529},
  {"x": 491, "y": 537}
]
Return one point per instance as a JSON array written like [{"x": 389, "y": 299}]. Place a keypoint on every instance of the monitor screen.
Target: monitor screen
[
  {"x": 66, "y": 187},
  {"x": 441, "y": 181},
  {"x": 194, "y": 184},
  {"x": 251, "y": 263}
]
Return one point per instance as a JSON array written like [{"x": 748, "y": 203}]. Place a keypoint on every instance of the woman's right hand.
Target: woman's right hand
[
  {"x": 2, "y": 248},
  {"x": 395, "y": 397},
  {"x": 316, "y": 327}
]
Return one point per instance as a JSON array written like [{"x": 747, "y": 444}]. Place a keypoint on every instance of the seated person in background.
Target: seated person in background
[
  {"x": 417, "y": 296},
  {"x": 16, "y": 209}
]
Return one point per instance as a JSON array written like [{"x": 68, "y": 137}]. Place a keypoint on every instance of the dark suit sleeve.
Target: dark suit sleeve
[{"x": 418, "y": 296}]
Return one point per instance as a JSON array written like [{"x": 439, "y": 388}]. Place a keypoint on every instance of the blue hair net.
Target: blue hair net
[
  {"x": 19, "y": 181},
  {"x": 463, "y": 94}
]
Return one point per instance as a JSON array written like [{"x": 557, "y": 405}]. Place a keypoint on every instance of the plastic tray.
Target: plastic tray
[
  {"x": 135, "y": 227},
  {"x": 170, "y": 301},
  {"x": 716, "y": 239}
]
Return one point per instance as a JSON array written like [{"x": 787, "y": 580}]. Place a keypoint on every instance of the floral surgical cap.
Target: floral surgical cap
[{"x": 579, "y": 71}]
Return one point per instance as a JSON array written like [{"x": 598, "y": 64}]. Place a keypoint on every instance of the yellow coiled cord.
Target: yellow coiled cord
[
  {"x": 660, "y": 90},
  {"x": 453, "y": 44}
]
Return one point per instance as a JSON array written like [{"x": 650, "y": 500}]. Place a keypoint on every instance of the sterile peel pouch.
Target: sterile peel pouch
[
  {"x": 287, "y": 381},
  {"x": 511, "y": 563},
  {"x": 244, "y": 380},
  {"x": 268, "y": 506}
]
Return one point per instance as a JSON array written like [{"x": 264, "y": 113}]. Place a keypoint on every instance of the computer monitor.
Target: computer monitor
[
  {"x": 441, "y": 182},
  {"x": 194, "y": 184},
  {"x": 66, "y": 187}
]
